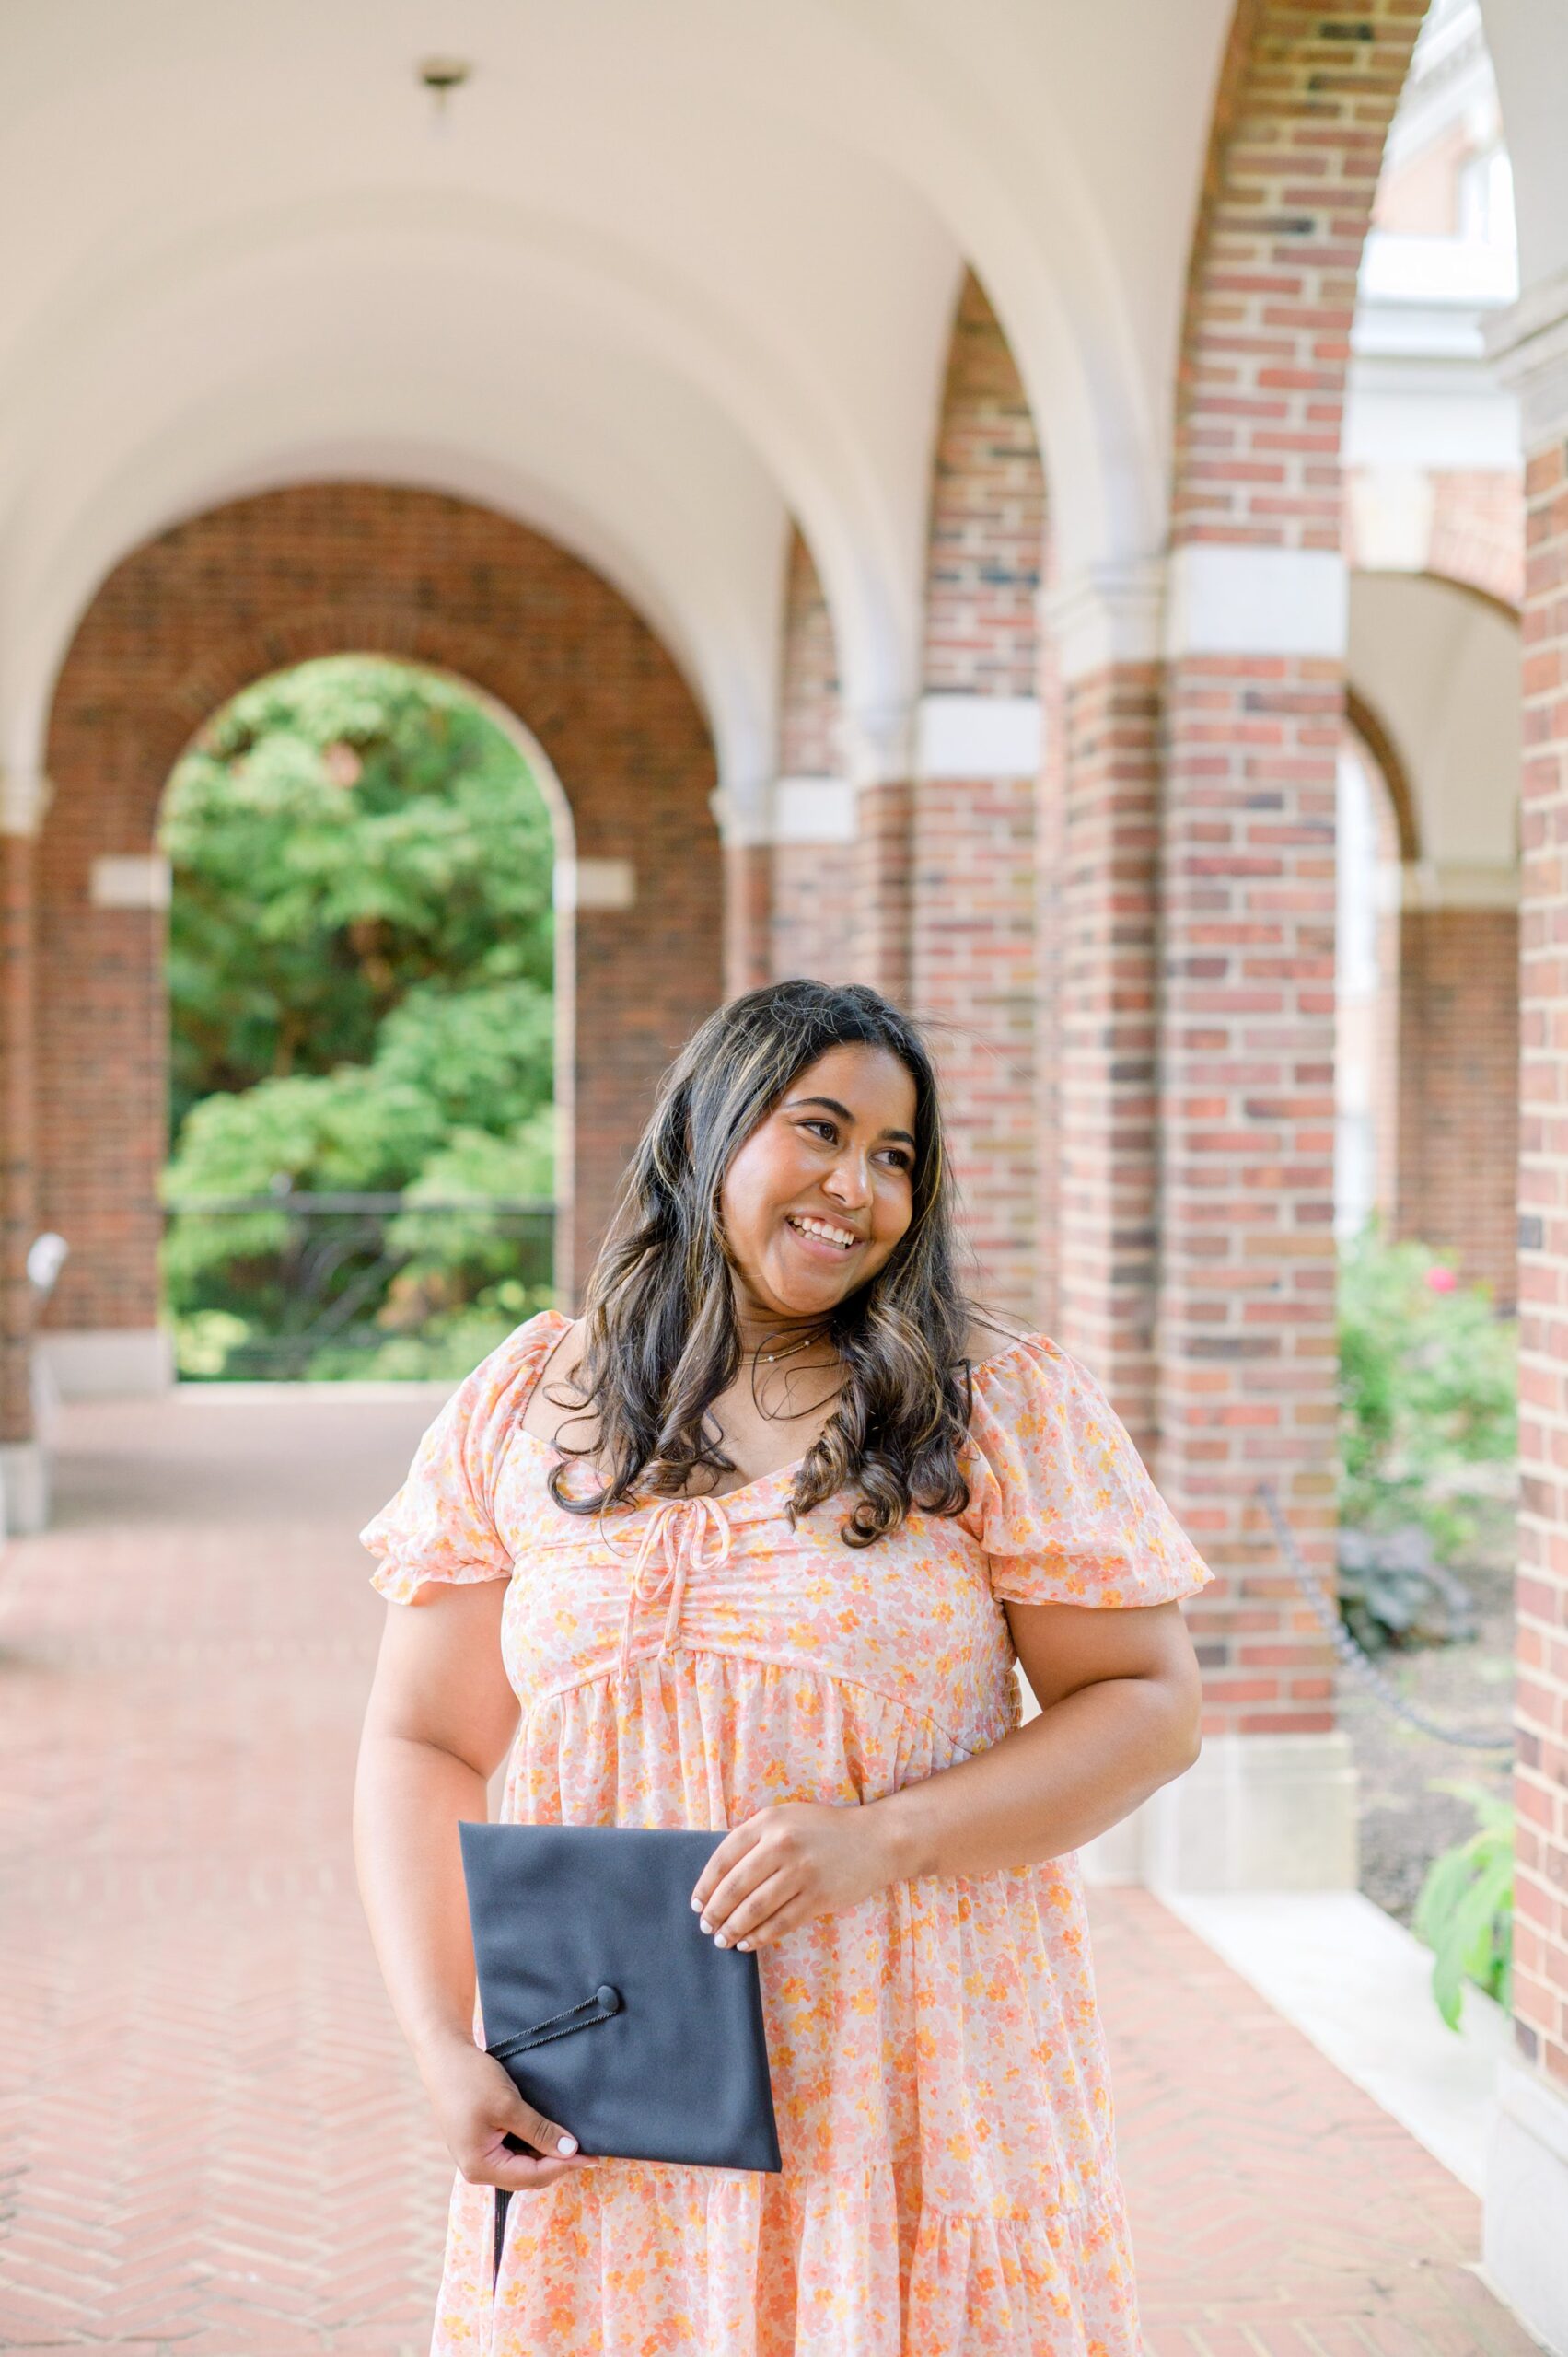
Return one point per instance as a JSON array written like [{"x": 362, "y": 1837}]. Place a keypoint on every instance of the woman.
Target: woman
[{"x": 755, "y": 1545}]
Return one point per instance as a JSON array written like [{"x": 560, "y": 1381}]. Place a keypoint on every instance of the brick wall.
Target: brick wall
[
  {"x": 971, "y": 892},
  {"x": 1472, "y": 531},
  {"x": 1459, "y": 1088},
  {"x": 18, "y": 1181},
  {"x": 747, "y": 916},
  {"x": 1477, "y": 533},
  {"x": 813, "y": 883},
  {"x": 1540, "y": 1951},
  {"x": 326, "y": 568},
  {"x": 810, "y": 701},
  {"x": 1246, "y": 1113},
  {"x": 1106, "y": 907}
]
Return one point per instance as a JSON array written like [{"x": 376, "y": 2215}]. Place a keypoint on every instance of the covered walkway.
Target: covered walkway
[{"x": 211, "y": 2142}]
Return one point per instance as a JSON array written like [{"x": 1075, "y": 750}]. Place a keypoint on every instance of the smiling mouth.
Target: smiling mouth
[{"x": 822, "y": 1231}]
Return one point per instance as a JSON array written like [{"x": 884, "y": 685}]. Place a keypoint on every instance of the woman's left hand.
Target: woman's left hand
[{"x": 784, "y": 1865}]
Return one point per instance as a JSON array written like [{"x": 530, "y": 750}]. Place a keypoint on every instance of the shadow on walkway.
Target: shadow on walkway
[{"x": 213, "y": 2142}]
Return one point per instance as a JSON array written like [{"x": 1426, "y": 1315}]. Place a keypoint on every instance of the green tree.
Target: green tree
[
  {"x": 340, "y": 834},
  {"x": 360, "y": 970}
]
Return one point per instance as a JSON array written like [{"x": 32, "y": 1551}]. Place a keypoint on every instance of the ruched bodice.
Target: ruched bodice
[{"x": 949, "y": 2184}]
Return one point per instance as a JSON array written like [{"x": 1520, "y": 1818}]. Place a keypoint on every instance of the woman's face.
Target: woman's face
[{"x": 818, "y": 1197}]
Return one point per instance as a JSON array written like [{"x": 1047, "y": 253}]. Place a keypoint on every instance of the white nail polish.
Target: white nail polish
[
  {"x": 705, "y": 1925},
  {"x": 719, "y": 1940},
  {"x": 567, "y": 2144}
]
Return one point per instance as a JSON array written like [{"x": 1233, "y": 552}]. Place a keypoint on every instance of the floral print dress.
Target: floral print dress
[{"x": 950, "y": 2184}]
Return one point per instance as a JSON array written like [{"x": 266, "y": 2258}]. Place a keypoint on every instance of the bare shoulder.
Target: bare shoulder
[
  {"x": 555, "y": 1403},
  {"x": 989, "y": 1334}
]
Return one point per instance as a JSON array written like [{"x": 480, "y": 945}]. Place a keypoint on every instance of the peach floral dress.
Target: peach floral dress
[{"x": 950, "y": 2184}]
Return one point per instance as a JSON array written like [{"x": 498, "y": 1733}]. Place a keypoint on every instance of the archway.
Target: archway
[
  {"x": 363, "y": 1056},
  {"x": 252, "y": 588}
]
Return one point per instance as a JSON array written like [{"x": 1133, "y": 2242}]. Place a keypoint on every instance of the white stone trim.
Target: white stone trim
[
  {"x": 24, "y": 1488},
  {"x": 1529, "y": 344},
  {"x": 1458, "y": 884},
  {"x": 813, "y": 810},
  {"x": 978, "y": 737},
  {"x": 1525, "y": 2250},
  {"x": 595, "y": 884},
  {"x": 1108, "y": 614},
  {"x": 131, "y": 880},
  {"x": 1255, "y": 1812},
  {"x": 879, "y": 746},
  {"x": 1359, "y": 1986},
  {"x": 25, "y": 797},
  {"x": 1229, "y": 599},
  {"x": 111, "y": 1363}
]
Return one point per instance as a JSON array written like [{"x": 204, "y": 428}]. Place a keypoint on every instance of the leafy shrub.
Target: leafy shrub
[
  {"x": 1465, "y": 1912},
  {"x": 1428, "y": 1396}
]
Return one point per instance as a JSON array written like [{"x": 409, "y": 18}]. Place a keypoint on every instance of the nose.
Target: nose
[{"x": 848, "y": 1180}]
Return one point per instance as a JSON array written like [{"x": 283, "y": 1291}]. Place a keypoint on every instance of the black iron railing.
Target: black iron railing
[{"x": 287, "y": 1285}]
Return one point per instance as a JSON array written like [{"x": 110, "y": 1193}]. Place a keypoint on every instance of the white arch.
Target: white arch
[
  {"x": 1528, "y": 41},
  {"x": 769, "y": 209},
  {"x": 1440, "y": 669}
]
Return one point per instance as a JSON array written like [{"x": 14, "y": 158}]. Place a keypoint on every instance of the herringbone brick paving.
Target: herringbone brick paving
[{"x": 213, "y": 2144}]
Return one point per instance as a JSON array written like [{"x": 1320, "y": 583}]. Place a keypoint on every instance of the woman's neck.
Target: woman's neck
[{"x": 763, "y": 1331}]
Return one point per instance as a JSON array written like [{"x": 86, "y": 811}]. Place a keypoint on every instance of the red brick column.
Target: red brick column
[
  {"x": 747, "y": 916},
  {"x": 814, "y": 868},
  {"x": 18, "y": 1134},
  {"x": 1459, "y": 1088},
  {"x": 1254, "y": 712},
  {"x": 1103, "y": 791},
  {"x": 882, "y": 862},
  {"x": 1528, "y": 2174},
  {"x": 978, "y": 756}
]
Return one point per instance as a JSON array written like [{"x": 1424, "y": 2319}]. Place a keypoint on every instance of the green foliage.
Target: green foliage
[
  {"x": 1465, "y": 1912},
  {"x": 360, "y": 976},
  {"x": 1428, "y": 1395},
  {"x": 339, "y": 834}
]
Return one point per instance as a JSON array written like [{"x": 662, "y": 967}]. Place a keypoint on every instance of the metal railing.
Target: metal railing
[{"x": 306, "y": 1283}]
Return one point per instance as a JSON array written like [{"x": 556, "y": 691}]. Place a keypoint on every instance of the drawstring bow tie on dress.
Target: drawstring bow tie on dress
[{"x": 677, "y": 1529}]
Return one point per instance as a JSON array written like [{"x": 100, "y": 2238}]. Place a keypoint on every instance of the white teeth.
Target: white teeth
[{"x": 841, "y": 1237}]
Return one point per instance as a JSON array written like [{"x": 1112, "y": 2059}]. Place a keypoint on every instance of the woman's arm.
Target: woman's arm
[
  {"x": 440, "y": 1718},
  {"x": 1120, "y": 1693}
]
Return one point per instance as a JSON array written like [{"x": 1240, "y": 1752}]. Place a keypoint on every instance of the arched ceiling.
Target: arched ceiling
[{"x": 656, "y": 278}]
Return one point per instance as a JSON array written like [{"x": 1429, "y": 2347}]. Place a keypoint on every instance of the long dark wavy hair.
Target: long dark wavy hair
[{"x": 661, "y": 1343}]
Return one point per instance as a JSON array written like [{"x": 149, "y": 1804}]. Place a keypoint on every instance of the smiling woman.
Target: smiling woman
[
  {"x": 787, "y": 1196},
  {"x": 755, "y": 1546}
]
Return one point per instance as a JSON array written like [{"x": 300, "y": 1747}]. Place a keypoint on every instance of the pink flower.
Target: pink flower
[{"x": 1441, "y": 1279}]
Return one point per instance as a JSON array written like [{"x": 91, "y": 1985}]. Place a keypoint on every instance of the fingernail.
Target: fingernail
[
  {"x": 744, "y": 1944},
  {"x": 719, "y": 1940},
  {"x": 703, "y": 1924},
  {"x": 567, "y": 2144},
  {"x": 695, "y": 1904}
]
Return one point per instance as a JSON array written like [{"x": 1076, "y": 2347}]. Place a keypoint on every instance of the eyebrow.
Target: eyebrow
[{"x": 832, "y": 1106}]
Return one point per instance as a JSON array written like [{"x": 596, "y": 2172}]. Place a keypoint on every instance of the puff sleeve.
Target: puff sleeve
[
  {"x": 440, "y": 1527},
  {"x": 1060, "y": 1499}
]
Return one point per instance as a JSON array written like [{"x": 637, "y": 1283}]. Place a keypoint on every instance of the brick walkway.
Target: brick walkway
[{"x": 213, "y": 2146}]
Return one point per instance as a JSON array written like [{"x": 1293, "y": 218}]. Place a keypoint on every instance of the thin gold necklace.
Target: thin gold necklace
[{"x": 802, "y": 1343}]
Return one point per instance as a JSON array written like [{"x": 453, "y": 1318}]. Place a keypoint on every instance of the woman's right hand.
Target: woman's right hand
[{"x": 477, "y": 2107}]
